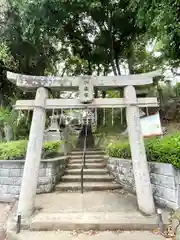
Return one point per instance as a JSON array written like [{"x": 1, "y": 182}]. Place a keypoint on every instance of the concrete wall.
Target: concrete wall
[
  {"x": 11, "y": 172},
  {"x": 165, "y": 180}
]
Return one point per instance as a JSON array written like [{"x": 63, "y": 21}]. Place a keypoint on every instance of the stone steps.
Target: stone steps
[
  {"x": 99, "y": 152},
  {"x": 87, "y": 171},
  {"x": 87, "y": 150},
  {"x": 87, "y": 178},
  {"x": 88, "y": 165},
  {"x": 88, "y": 186},
  {"x": 100, "y": 221},
  {"x": 94, "y": 156},
  {"x": 95, "y": 174},
  {"x": 87, "y": 160}
]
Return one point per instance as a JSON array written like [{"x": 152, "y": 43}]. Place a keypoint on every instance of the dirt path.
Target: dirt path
[{"x": 4, "y": 210}]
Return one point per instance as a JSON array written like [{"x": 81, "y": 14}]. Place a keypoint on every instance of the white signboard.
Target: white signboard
[{"x": 151, "y": 126}]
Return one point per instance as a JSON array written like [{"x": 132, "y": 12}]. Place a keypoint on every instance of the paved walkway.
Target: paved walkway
[
  {"x": 91, "y": 210},
  {"x": 103, "y": 201},
  {"x": 79, "y": 213},
  {"x": 87, "y": 236},
  {"x": 4, "y": 209}
]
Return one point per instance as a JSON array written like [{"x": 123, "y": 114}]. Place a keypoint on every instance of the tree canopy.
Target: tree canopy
[
  {"x": 87, "y": 36},
  {"x": 41, "y": 33},
  {"x": 162, "y": 21}
]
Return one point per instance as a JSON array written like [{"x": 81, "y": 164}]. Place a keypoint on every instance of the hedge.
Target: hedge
[
  {"x": 165, "y": 150},
  {"x": 16, "y": 150}
]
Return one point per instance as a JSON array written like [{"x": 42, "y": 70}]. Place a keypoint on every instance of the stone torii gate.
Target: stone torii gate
[{"x": 85, "y": 85}]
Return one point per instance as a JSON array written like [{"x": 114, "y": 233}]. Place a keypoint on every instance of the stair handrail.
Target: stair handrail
[{"x": 83, "y": 165}]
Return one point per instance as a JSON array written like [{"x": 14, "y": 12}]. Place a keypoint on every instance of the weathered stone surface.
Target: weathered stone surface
[
  {"x": 14, "y": 190},
  {"x": 4, "y": 211},
  {"x": 65, "y": 235},
  {"x": 164, "y": 193},
  {"x": 140, "y": 167},
  {"x": 165, "y": 203},
  {"x": 44, "y": 180},
  {"x": 29, "y": 81},
  {"x": 10, "y": 181},
  {"x": 161, "y": 168},
  {"x": 42, "y": 172},
  {"x": 50, "y": 165},
  {"x": 5, "y": 164},
  {"x": 11, "y": 177},
  {"x": 15, "y": 173},
  {"x": 165, "y": 180},
  {"x": 4, "y": 189},
  {"x": 4, "y": 172},
  {"x": 49, "y": 171},
  {"x": 43, "y": 165},
  {"x": 48, "y": 187}
]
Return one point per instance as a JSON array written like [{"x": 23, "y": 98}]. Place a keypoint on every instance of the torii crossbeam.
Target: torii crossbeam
[
  {"x": 72, "y": 83},
  {"x": 52, "y": 104}
]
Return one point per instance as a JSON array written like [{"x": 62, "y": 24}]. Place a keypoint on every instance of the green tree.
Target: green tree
[
  {"x": 162, "y": 21},
  {"x": 7, "y": 89},
  {"x": 31, "y": 47}
]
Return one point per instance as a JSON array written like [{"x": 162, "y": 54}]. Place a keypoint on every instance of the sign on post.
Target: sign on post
[{"x": 151, "y": 126}]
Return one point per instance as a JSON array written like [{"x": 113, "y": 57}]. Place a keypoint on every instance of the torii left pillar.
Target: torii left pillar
[{"x": 33, "y": 156}]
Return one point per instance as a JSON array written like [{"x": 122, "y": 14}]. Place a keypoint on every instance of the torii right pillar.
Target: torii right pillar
[{"x": 140, "y": 166}]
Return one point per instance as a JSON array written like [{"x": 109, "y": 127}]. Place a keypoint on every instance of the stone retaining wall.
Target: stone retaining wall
[
  {"x": 11, "y": 172},
  {"x": 165, "y": 180}
]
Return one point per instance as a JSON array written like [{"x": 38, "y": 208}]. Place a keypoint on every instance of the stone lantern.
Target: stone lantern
[{"x": 54, "y": 132}]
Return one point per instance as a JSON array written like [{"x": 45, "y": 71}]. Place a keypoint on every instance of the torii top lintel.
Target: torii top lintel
[{"x": 72, "y": 83}]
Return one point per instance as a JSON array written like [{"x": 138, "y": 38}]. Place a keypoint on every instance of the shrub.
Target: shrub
[
  {"x": 17, "y": 149},
  {"x": 13, "y": 150},
  {"x": 165, "y": 150},
  {"x": 50, "y": 149},
  {"x": 119, "y": 149}
]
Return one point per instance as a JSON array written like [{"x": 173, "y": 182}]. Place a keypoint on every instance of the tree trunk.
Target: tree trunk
[
  {"x": 98, "y": 70},
  {"x": 130, "y": 60},
  {"x": 63, "y": 72},
  {"x": 112, "y": 52},
  {"x": 95, "y": 93},
  {"x": 1, "y": 136},
  {"x": 89, "y": 68},
  {"x": 103, "y": 94},
  {"x": 117, "y": 65},
  {"x": 1, "y": 99},
  {"x": 100, "y": 115},
  {"x": 130, "y": 65},
  {"x": 100, "y": 110},
  {"x": 8, "y": 132},
  {"x": 113, "y": 67},
  {"x": 123, "y": 115}
]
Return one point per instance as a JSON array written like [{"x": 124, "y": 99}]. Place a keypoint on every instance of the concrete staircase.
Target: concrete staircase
[{"x": 96, "y": 177}]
